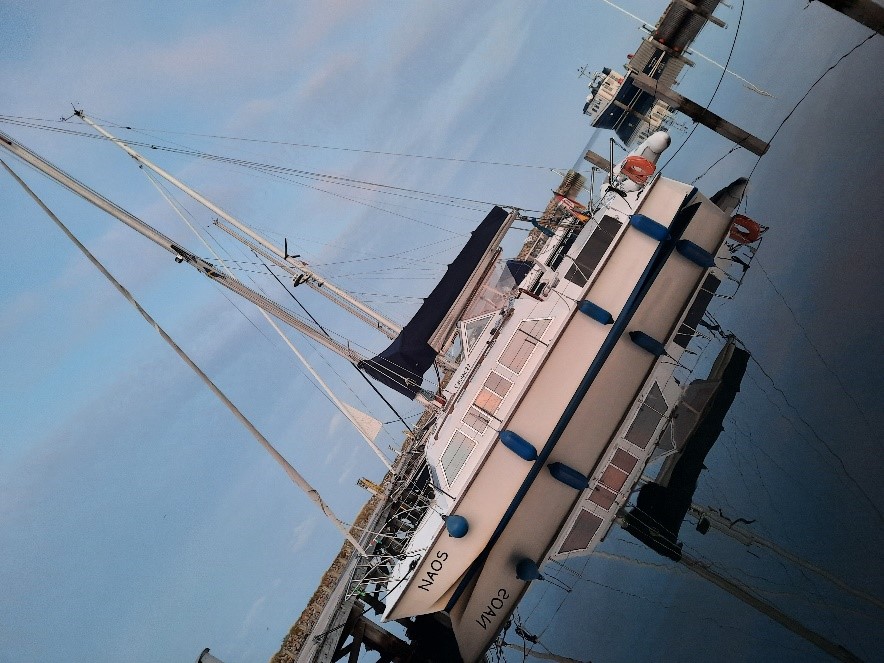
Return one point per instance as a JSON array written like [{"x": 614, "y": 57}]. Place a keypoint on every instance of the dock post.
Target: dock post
[
  {"x": 597, "y": 160},
  {"x": 701, "y": 115},
  {"x": 702, "y": 13}
]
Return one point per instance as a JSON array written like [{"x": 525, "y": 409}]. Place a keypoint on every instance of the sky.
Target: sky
[{"x": 138, "y": 518}]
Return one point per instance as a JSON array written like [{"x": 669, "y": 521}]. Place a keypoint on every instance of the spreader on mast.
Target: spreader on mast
[
  {"x": 320, "y": 284},
  {"x": 181, "y": 254}
]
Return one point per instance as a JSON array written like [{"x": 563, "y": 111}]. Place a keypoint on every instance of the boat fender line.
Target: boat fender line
[
  {"x": 648, "y": 343},
  {"x": 649, "y": 227},
  {"x": 744, "y": 230},
  {"x": 526, "y": 569},
  {"x": 595, "y": 312},
  {"x": 457, "y": 526},
  {"x": 637, "y": 169},
  {"x": 518, "y": 445},
  {"x": 568, "y": 476},
  {"x": 695, "y": 253}
]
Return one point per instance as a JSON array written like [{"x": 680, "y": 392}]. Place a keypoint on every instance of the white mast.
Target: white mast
[
  {"x": 181, "y": 254},
  {"x": 318, "y": 283},
  {"x": 368, "y": 427},
  {"x": 294, "y": 475},
  {"x": 293, "y": 271}
]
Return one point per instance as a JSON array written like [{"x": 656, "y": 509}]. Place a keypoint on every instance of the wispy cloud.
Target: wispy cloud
[{"x": 302, "y": 534}]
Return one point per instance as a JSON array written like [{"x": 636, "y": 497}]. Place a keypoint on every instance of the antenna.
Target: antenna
[
  {"x": 611, "y": 187},
  {"x": 611, "y": 162}
]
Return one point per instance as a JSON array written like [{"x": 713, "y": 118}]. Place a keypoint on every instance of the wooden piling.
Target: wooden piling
[{"x": 700, "y": 114}]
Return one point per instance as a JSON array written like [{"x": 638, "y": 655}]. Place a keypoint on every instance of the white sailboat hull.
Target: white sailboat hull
[{"x": 515, "y": 508}]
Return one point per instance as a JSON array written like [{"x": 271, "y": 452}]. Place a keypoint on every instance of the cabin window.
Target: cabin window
[
  {"x": 697, "y": 310},
  {"x": 488, "y": 401},
  {"x": 476, "y": 419},
  {"x": 591, "y": 254},
  {"x": 603, "y": 497},
  {"x": 584, "y": 528},
  {"x": 455, "y": 455},
  {"x": 624, "y": 460},
  {"x": 648, "y": 418},
  {"x": 498, "y": 384},
  {"x": 520, "y": 347},
  {"x": 471, "y": 330},
  {"x": 613, "y": 478},
  {"x": 493, "y": 392}
]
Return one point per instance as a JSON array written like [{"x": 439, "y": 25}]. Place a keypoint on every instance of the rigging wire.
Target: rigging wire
[
  {"x": 683, "y": 571},
  {"x": 736, "y": 147},
  {"x": 334, "y": 148},
  {"x": 789, "y": 114},
  {"x": 853, "y": 485},
  {"x": 266, "y": 315},
  {"x": 858, "y": 487},
  {"x": 358, "y": 370},
  {"x": 293, "y": 474},
  {"x": 809, "y": 90},
  {"x": 715, "y": 91},
  {"x": 178, "y": 210},
  {"x": 277, "y": 170}
]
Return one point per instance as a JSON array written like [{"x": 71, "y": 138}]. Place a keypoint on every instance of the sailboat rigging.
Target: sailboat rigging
[{"x": 293, "y": 474}]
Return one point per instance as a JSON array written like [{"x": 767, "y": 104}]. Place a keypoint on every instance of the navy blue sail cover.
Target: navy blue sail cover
[{"x": 402, "y": 365}]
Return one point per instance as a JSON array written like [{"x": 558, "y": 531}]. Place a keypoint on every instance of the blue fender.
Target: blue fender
[
  {"x": 518, "y": 445},
  {"x": 648, "y": 343},
  {"x": 649, "y": 227},
  {"x": 595, "y": 312},
  {"x": 695, "y": 253},
  {"x": 568, "y": 476}
]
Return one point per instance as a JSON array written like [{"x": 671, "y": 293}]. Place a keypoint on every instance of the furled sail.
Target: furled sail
[{"x": 402, "y": 365}]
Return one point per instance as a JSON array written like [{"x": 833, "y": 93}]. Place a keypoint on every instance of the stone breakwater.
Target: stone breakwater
[{"x": 301, "y": 629}]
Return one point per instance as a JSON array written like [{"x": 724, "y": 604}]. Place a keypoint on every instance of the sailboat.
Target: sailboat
[
  {"x": 547, "y": 423},
  {"x": 557, "y": 378}
]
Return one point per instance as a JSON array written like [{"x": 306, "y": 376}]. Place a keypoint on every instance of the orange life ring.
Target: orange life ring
[
  {"x": 744, "y": 230},
  {"x": 638, "y": 169}
]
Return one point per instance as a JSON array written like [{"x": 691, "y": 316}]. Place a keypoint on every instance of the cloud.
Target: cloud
[
  {"x": 302, "y": 534},
  {"x": 347, "y": 475},
  {"x": 334, "y": 424},
  {"x": 184, "y": 51},
  {"x": 251, "y": 614}
]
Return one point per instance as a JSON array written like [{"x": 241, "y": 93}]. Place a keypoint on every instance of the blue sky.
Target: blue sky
[{"x": 136, "y": 515}]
